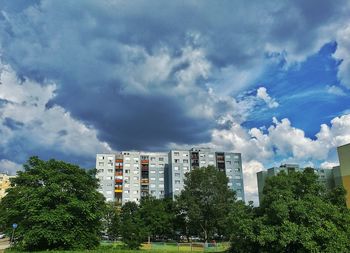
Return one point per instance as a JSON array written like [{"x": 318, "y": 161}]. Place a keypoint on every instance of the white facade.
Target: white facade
[{"x": 130, "y": 175}]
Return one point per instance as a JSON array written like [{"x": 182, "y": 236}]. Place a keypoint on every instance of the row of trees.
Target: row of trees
[
  {"x": 57, "y": 206},
  {"x": 200, "y": 210}
]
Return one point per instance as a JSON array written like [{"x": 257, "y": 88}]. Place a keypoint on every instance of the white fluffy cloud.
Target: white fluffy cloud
[
  {"x": 262, "y": 94},
  {"x": 9, "y": 167},
  {"x": 343, "y": 52},
  {"x": 27, "y": 122},
  {"x": 283, "y": 143}
]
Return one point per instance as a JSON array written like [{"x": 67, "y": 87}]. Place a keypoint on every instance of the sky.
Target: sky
[{"x": 268, "y": 79}]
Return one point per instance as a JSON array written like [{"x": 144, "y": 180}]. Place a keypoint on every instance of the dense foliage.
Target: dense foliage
[
  {"x": 205, "y": 202},
  {"x": 296, "y": 215},
  {"x": 132, "y": 227},
  {"x": 55, "y": 205}
]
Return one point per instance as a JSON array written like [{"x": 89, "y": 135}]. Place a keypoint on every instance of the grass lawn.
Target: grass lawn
[{"x": 157, "y": 248}]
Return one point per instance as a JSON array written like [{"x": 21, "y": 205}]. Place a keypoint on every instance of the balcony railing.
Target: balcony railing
[{"x": 144, "y": 181}]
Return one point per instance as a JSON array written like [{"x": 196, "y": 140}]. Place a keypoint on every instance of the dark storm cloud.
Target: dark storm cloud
[
  {"x": 12, "y": 124},
  {"x": 92, "y": 50}
]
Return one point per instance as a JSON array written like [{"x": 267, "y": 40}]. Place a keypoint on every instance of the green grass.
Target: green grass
[{"x": 156, "y": 248}]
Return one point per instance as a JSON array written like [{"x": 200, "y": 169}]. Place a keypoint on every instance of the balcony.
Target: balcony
[
  {"x": 144, "y": 161},
  {"x": 118, "y": 190},
  {"x": 119, "y": 160},
  {"x": 118, "y": 180},
  {"x": 144, "y": 181}
]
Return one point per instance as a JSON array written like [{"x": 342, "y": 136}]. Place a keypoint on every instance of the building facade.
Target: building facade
[
  {"x": 4, "y": 184},
  {"x": 131, "y": 175},
  {"x": 343, "y": 170}
]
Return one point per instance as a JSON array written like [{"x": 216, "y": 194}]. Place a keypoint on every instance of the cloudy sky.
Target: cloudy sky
[{"x": 269, "y": 79}]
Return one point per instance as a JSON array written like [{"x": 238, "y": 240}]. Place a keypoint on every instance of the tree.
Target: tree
[
  {"x": 296, "y": 215},
  {"x": 157, "y": 217},
  {"x": 205, "y": 202},
  {"x": 112, "y": 220},
  {"x": 132, "y": 227},
  {"x": 56, "y": 206}
]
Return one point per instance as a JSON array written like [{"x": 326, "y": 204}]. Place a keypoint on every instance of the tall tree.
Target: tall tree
[
  {"x": 205, "y": 202},
  {"x": 157, "y": 217},
  {"x": 132, "y": 227},
  {"x": 56, "y": 206},
  {"x": 111, "y": 220},
  {"x": 296, "y": 215}
]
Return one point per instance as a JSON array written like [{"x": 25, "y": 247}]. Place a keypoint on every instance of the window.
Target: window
[
  {"x": 185, "y": 155},
  {"x": 101, "y": 157},
  {"x": 177, "y": 181},
  {"x": 228, "y": 162},
  {"x": 185, "y": 161},
  {"x": 153, "y": 178},
  {"x": 153, "y": 186},
  {"x": 161, "y": 186},
  {"x": 136, "y": 178},
  {"x": 153, "y": 159},
  {"x": 152, "y": 171},
  {"x": 127, "y": 158},
  {"x": 99, "y": 171},
  {"x": 101, "y": 163},
  {"x": 136, "y": 172},
  {"x": 126, "y": 191},
  {"x": 153, "y": 192},
  {"x": 136, "y": 159},
  {"x": 237, "y": 177},
  {"x": 176, "y": 168},
  {"x": 176, "y": 153},
  {"x": 108, "y": 192},
  {"x": 228, "y": 156},
  {"x": 211, "y": 156},
  {"x": 161, "y": 172},
  {"x": 108, "y": 178},
  {"x": 238, "y": 184},
  {"x": 161, "y": 159},
  {"x": 211, "y": 163},
  {"x": 127, "y": 165},
  {"x": 161, "y": 179},
  {"x": 177, "y": 174},
  {"x": 229, "y": 184},
  {"x": 176, "y": 160},
  {"x": 152, "y": 165},
  {"x": 202, "y": 162},
  {"x": 127, "y": 171},
  {"x": 161, "y": 192},
  {"x": 185, "y": 168}
]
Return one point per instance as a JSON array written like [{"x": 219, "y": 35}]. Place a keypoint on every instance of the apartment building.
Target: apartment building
[
  {"x": 4, "y": 184},
  {"x": 330, "y": 178},
  {"x": 343, "y": 170},
  {"x": 160, "y": 174}
]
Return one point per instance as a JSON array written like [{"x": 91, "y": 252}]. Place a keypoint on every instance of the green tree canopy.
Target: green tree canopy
[
  {"x": 296, "y": 215},
  {"x": 158, "y": 216},
  {"x": 111, "y": 220},
  {"x": 55, "y": 205},
  {"x": 132, "y": 227},
  {"x": 205, "y": 202}
]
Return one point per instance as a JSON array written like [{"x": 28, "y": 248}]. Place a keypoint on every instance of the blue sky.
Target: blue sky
[{"x": 269, "y": 79}]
